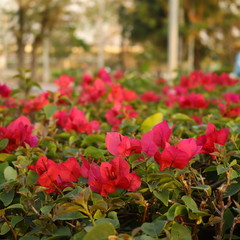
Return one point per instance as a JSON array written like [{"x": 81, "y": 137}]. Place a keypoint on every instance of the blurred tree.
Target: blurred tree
[
  {"x": 38, "y": 20},
  {"x": 145, "y": 22}
]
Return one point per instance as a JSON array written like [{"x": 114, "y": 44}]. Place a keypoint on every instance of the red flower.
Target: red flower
[
  {"x": 64, "y": 81},
  {"x": 161, "y": 134},
  {"x": 119, "y": 145},
  {"x": 148, "y": 145},
  {"x": 104, "y": 75},
  {"x": 118, "y": 113},
  {"x": 76, "y": 120},
  {"x": 118, "y": 75},
  {"x": 92, "y": 93},
  {"x": 55, "y": 177},
  {"x": 211, "y": 137},
  {"x": 177, "y": 156},
  {"x": 119, "y": 94},
  {"x": 18, "y": 132},
  {"x": 5, "y": 92},
  {"x": 37, "y": 103},
  {"x": 149, "y": 97},
  {"x": 194, "y": 100},
  {"x": 113, "y": 175}
]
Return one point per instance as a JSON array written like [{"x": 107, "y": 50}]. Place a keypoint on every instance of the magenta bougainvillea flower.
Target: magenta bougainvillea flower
[
  {"x": 64, "y": 81},
  {"x": 104, "y": 75},
  {"x": 92, "y": 91},
  {"x": 37, "y": 103},
  {"x": 119, "y": 145},
  {"x": 194, "y": 100},
  {"x": 156, "y": 139},
  {"x": 56, "y": 176},
  {"x": 211, "y": 138},
  {"x": 118, "y": 113},
  {"x": 149, "y": 96},
  {"x": 75, "y": 120},
  {"x": 113, "y": 175},
  {"x": 18, "y": 133},
  {"x": 177, "y": 156},
  {"x": 118, "y": 94},
  {"x": 5, "y": 91}
]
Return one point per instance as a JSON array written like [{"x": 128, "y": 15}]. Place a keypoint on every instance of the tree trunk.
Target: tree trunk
[
  {"x": 191, "y": 54},
  {"x": 46, "y": 59},
  {"x": 20, "y": 35}
]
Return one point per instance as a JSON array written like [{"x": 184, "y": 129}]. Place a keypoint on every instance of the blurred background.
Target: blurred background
[{"x": 51, "y": 37}]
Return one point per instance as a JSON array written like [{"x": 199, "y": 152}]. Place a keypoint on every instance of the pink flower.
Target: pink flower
[
  {"x": 104, "y": 75},
  {"x": 177, "y": 156},
  {"x": 37, "y": 103},
  {"x": 119, "y": 145},
  {"x": 149, "y": 97},
  {"x": 194, "y": 100},
  {"x": 92, "y": 93},
  {"x": 18, "y": 132},
  {"x": 5, "y": 91},
  {"x": 64, "y": 81},
  {"x": 211, "y": 137},
  {"x": 118, "y": 75},
  {"x": 119, "y": 94},
  {"x": 76, "y": 120},
  {"x": 118, "y": 113},
  {"x": 112, "y": 176},
  {"x": 55, "y": 177}
]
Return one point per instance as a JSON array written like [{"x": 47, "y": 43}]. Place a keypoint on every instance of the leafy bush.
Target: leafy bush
[{"x": 109, "y": 159}]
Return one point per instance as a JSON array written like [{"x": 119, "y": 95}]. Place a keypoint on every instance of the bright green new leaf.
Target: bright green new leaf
[
  {"x": 101, "y": 231},
  {"x": 151, "y": 121},
  {"x": 10, "y": 173}
]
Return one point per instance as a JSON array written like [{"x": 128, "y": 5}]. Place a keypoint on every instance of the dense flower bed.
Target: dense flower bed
[{"x": 99, "y": 159}]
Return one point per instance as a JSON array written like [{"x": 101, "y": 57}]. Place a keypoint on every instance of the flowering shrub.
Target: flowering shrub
[{"x": 97, "y": 159}]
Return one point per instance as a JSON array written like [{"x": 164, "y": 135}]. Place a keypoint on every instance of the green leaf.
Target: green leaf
[
  {"x": 49, "y": 110},
  {"x": 5, "y": 156},
  {"x": 32, "y": 178},
  {"x": 73, "y": 139},
  {"x": 151, "y": 121},
  {"x": 2, "y": 168},
  {"x": 176, "y": 210},
  {"x": 232, "y": 189},
  {"x": 3, "y": 143},
  {"x": 221, "y": 169},
  {"x": 101, "y": 231},
  {"x": 206, "y": 188},
  {"x": 4, "y": 229},
  {"x": 162, "y": 195},
  {"x": 180, "y": 232},
  {"x": 46, "y": 209},
  {"x": 93, "y": 139},
  {"x": 10, "y": 173},
  {"x": 182, "y": 117},
  {"x": 15, "y": 220},
  {"x": 94, "y": 153},
  {"x": 29, "y": 238},
  {"x": 7, "y": 197},
  {"x": 70, "y": 216},
  {"x": 153, "y": 229},
  {"x": 190, "y": 203},
  {"x": 17, "y": 205}
]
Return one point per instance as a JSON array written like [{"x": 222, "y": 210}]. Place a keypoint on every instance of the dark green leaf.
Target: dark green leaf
[
  {"x": 7, "y": 197},
  {"x": 180, "y": 232},
  {"x": 101, "y": 231},
  {"x": 153, "y": 229},
  {"x": 49, "y": 110},
  {"x": 3, "y": 143}
]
